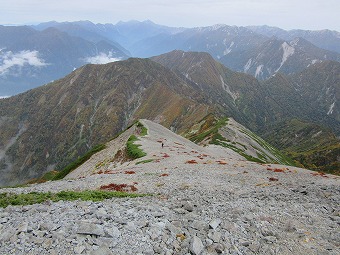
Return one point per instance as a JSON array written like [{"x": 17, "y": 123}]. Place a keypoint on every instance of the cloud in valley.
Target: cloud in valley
[
  {"x": 10, "y": 61},
  {"x": 102, "y": 58}
]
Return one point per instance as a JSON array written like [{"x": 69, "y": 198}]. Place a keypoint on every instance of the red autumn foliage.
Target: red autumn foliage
[
  {"x": 192, "y": 161},
  {"x": 165, "y": 155},
  {"x": 163, "y": 175},
  {"x": 277, "y": 170},
  {"x": 130, "y": 172},
  {"x": 119, "y": 187},
  {"x": 221, "y": 162},
  {"x": 100, "y": 172},
  {"x": 322, "y": 174},
  {"x": 272, "y": 179}
]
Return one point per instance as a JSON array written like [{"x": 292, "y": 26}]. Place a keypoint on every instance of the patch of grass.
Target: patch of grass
[
  {"x": 144, "y": 161},
  {"x": 282, "y": 159},
  {"x": 143, "y": 129},
  {"x": 132, "y": 149},
  {"x": 7, "y": 199},
  {"x": 211, "y": 132},
  {"x": 69, "y": 168},
  {"x": 218, "y": 139}
]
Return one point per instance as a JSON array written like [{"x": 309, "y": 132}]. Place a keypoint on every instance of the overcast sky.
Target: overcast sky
[{"x": 287, "y": 14}]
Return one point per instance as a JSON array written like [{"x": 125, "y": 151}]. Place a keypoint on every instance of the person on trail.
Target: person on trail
[{"x": 162, "y": 144}]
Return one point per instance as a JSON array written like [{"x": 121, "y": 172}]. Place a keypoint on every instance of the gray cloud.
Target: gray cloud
[{"x": 10, "y": 60}]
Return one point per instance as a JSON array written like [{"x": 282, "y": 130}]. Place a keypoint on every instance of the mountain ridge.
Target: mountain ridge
[
  {"x": 58, "y": 122},
  {"x": 200, "y": 199}
]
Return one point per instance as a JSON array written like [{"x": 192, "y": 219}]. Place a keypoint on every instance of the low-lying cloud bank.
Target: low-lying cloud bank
[
  {"x": 102, "y": 58},
  {"x": 10, "y": 60}
]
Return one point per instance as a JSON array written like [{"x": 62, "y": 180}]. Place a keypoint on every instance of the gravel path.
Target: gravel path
[{"x": 207, "y": 200}]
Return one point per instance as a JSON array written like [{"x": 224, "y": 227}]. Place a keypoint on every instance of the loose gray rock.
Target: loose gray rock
[
  {"x": 86, "y": 228},
  {"x": 215, "y": 223},
  {"x": 188, "y": 206},
  {"x": 196, "y": 246},
  {"x": 22, "y": 227},
  {"x": 112, "y": 232},
  {"x": 79, "y": 249}
]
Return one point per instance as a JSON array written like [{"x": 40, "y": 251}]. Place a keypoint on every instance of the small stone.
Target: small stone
[
  {"x": 101, "y": 213},
  {"x": 46, "y": 226},
  {"x": 209, "y": 241},
  {"x": 180, "y": 211},
  {"x": 266, "y": 232},
  {"x": 218, "y": 248},
  {"x": 215, "y": 223},
  {"x": 87, "y": 228},
  {"x": 176, "y": 245},
  {"x": 79, "y": 249},
  {"x": 157, "y": 249},
  {"x": 244, "y": 243},
  {"x": 102, "y": 251},
  {"x": 199, "y": 225},
  {"x": 270, "y": 239},
  {"x": 3, "y": 220},
  {"x": 112, "y": 232},
  {"x": 196, "y": 246},
  {"x": 131, "y": 226},
  {"x": 187, "y": 206},
  {"x": 289, "y": 226},
  {"x": 22, "y": 227}
]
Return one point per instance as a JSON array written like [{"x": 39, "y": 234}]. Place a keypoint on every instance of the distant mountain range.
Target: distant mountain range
[
  {"x": 32, "y": 56},
  {"x": 325, "y": 39},
  {"x": 48, "y": 127}
]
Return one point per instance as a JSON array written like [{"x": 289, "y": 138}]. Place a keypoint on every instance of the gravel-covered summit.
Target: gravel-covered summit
[{"x": 206, "y": 200}]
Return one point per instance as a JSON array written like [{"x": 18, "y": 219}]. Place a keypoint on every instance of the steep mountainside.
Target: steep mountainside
[
  {"x": 311, "y": 145},
  {"x": 45, "y": 128},
  {"x": 260, "y": 106},
  {"x": 311, "y": 95},
  {"x": 29, "y": 58},
  {"x": 239, "y": 95},
  {"x": 325, "y": 39},
  {"x": 250, "y": 103},
  {"x": 320, "y": 85},
  {"x": 277, "y": 56},
  {"x": 229, "y": 134}
]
